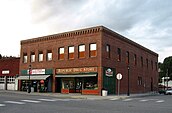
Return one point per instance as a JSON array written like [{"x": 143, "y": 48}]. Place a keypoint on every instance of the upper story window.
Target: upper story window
[
  {"x": 49, "y": 55},
  {"x": 119, "y": 54},
  {"x": 152, "y": 64},
  {"x": 24, "y": 57},
  {"x": 141, "y": 61},
  {"x": 71, "y": 50},
  {"x": 40, "y": 56},
  {"x": 147, "y": 63},
  {"x": 156, "y": 66},
  {"x": 135, "y": 59},
  {"x": 61, "y": 53},
  {"x": 108, "y": 50},
  {"x": 81, "y": 53},
  {"x": 127, "y": 57},
  {"x": 32, "y": 57},
  {"x": 93, "y": 50}
]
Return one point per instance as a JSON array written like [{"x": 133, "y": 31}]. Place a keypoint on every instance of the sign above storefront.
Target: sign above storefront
[
  {"x": 36, "y": 71},
  {"x": 76, "y": 70},
  {"x": 109, "y": 72},
  {"x": 5, "y": 72}
]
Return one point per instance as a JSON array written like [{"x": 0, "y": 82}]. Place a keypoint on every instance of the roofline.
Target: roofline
[{"x": 84, "y": 31}]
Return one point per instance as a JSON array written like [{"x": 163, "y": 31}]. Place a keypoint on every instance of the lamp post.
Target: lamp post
[
  {"x": 29, "y": 85},
  {"x": 128, "y": 68}
]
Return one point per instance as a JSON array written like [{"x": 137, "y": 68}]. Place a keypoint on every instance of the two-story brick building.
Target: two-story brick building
[
  {"x": 9, "y": 69},
  {"x": 87, "y": 60}
]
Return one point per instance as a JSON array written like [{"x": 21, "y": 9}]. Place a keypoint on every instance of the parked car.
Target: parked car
[{"x": 168, "y": 92}]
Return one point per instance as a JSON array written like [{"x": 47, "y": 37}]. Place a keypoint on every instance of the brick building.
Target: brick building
[
  {"x": 87, "y": 60},
  {"x": 9, "y": 69}
]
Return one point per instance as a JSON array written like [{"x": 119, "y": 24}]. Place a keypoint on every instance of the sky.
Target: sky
[{"x": 147, "y": 22}]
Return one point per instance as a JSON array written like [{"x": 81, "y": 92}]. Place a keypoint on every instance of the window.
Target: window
[
  {"x": 139, "y": 81},
  {"x": 40, "y": 56},
  {"x": 81, "y": 51},
  {"x": 141, "y": 61},
  {"x": 61, "y": 53},
  {"x": 10, "y": 79},
  {"x": 93, "y": 50},
  {"x": 2, "y": 79},
  {"x": 147, "y": 63},
  {"x": 71, "y": 50},
  {"x": 32, "y": 57},
  {"x": 25, "y": 58},
  {"x": 127, "y": 57},
  {"x": 49, "y": 55},
  {"x": 119, "y": 54},
  {"x": 108, "y": 51},
  {"x": 135, "y": 59},
  {"x": 152, "y": 64},
  {"x": 156, "y": 66},
  {"x": 90, "y": 83}
]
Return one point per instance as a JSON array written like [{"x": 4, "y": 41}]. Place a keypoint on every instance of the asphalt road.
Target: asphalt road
[{"x": 20, "y": 103}]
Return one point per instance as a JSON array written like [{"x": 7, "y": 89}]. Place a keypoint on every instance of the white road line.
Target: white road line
[
  {"x": 160, "y": 101},
  {"x": 49, "y": 100},
  {"x": 144, "y": 100},
  {"x": 114, "y": 99},
  {"x": 127, "y": 100},
  {"x": 1, "y": 105},
  {"x": 14, "y": 102},
  {"x": 31, "y": 101}
]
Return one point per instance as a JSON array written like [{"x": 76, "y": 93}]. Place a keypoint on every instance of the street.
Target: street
[{"x": 20, "y": 103}]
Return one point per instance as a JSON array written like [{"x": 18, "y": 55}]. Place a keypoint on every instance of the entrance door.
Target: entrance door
[
  {"x": 78, "y": 86},
  {"x": 58, "y": 85}
]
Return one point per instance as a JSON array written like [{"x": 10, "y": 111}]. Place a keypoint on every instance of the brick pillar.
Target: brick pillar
[{"x": 54, "y": 84}]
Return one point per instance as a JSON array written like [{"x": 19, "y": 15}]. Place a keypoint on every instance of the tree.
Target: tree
[
  {"x": 167, "y": 67},
  {"x": 0, "y": 56}
]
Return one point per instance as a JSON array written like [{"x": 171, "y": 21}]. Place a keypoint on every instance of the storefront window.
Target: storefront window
[{"x": 90, "y": 83}]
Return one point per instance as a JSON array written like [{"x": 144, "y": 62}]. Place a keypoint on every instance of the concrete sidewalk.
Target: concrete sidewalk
[{"x": 80, "y": 96}]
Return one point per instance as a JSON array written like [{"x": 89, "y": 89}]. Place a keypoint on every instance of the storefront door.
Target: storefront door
[{"x": 78, "y": 86}]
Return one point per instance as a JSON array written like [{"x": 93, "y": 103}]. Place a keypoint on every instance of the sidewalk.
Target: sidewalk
[{"x": 79, "y": 96}]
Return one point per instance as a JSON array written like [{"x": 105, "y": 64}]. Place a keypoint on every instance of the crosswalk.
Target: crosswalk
[
  {"x": 140, "y": 100},
  {"x": 25, "y": 101}
]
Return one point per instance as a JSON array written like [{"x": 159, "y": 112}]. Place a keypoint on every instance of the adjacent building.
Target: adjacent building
[
  {"x": 9, "y": 70},
  {"x": 86, "y": 61}
]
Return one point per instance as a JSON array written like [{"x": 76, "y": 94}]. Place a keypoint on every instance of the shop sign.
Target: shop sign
[
  {"x": 109, "y": 72},
  {"x": 5, "y": 72},
  {"x": 76, "y": 70},
  {"x": 37, "y": 71}
]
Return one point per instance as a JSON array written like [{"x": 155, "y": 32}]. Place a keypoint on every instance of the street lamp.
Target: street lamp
[
  {"x": 128, "y": 68},
  {"x": 29, "y": 85}
]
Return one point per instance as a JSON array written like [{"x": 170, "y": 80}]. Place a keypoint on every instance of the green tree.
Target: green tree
[{"x": 167, "y": 67}]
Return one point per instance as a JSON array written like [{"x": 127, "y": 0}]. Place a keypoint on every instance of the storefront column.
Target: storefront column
[
  {"x": 100, "y": 79},
  {"x": 54, "y": 84}
]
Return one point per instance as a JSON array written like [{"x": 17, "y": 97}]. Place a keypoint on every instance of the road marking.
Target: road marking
[
  {"x": 49, "y": 100},
  {"x": 160, "y": 101},
  {"x": 1, "y": 105},
  {"x": 14, "y": 102},
  {"x": 114, "y": 99},
  {"x": 144, "y": 100},
  {"x": 127, "y": 100},
  {"x": 31, "y": 101}
]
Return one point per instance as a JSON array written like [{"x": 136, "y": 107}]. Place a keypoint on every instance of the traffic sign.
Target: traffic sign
[{"x": 119, "y": 76}]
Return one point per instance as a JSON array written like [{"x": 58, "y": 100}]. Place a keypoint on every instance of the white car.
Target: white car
[{"x": 168, "y": 92}]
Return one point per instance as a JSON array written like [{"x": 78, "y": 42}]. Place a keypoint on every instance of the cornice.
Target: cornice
[{"x": 63, "y": 35}]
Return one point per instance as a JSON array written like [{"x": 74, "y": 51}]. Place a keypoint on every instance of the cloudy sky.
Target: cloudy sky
[{"x": 147, "y": 22}]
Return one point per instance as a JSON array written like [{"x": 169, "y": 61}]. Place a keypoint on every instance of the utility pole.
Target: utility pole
[{"x": 167, "y": 78}]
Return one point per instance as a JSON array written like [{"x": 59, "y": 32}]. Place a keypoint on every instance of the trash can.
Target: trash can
[
  {"x": 104, "y": 92},
  {"x": 32, "y": 89}
]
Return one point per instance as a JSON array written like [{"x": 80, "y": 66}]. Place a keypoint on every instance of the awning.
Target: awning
[
  {"x": 33, "y": 77},
  {"x": 81, "y": 75}
]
